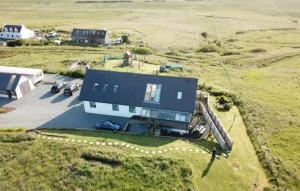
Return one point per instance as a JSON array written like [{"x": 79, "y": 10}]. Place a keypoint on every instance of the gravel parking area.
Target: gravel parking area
[{"x": 41, "y": 108}]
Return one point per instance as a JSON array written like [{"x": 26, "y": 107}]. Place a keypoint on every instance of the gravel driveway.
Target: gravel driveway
[{"x": 41, "y": 108}]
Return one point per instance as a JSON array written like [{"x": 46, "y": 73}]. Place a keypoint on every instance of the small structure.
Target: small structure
[
  {"x": 169, "y": 101},
  {"x": 11, "y": 32},
  {"x": 35, "y": 75},
  {"x": 127, "y": 60},
  {"x": 14, "y": 85},
  {"x": 90, "y": 36},
  {"x": 117, "y": 41}
]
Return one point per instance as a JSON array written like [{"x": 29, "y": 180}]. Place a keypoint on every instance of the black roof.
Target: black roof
[
  {"x": 8, "y": 27},
  {"x": 9, "y": 81},
  {"x": 89, "y": 33},
  {"x": 132, "y": 88}
]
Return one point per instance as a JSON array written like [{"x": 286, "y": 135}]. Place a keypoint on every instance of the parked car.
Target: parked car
[
  {"x": 70, "y": 89},
  {"x": 108, "y": 125},
  {"x": 57, "y": 87}
]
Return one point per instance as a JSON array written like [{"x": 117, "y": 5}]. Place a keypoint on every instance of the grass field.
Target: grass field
[
  {"x": 53, "y": 165},
  {"x": 258, "y": 59}
]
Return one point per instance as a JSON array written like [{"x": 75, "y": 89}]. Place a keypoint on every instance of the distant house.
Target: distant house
[
  {"x": 90, "y": 36},
  {"x": 16, "y": 82},
  {"x": 16, "y": 32},
  {"x": 168, "y": 100}
]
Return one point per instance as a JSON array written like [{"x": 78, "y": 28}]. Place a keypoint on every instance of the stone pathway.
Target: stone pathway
[{"x": 122, "y": 144}]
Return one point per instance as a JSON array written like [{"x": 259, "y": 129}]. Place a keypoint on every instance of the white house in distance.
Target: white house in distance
[
  {"x": 16, "y": 82},
  {"x": 170, "y": 101},
  {"x": 11, "y": 32}
]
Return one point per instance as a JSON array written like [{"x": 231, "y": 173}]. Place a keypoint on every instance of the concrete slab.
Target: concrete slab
[{"x": 41, "y": 108}]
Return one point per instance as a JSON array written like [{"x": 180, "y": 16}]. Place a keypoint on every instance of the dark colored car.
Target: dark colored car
[
  {"x": 57, "y": 87},
  {"x": 70, "y": 89},
  {"x": 108, "y": 125}
]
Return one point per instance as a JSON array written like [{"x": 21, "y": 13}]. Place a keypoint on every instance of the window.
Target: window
[
  {"x": 153, "y": 93},
  {"x": 180, "y": 117},
  {"x": 105, "y": 88},
  {"x": 115, "y": 107},
  {"x": 116, "y": 89},
  {"x": 179, "y": 95},
  {"x": 92, "y": 104},
  {"x": 132, "y": 109}
]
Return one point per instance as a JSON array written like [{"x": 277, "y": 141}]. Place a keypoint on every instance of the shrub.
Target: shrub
[
  {"x": 206, "y": 48},
  {"x": 240, "y": 32},
  {"x": 108, "y": 159},
  {"x": 224, "y": 103},
  {"x": 15, "y": 138},
  {"x": 78, "y": 73},
  {"x": 216, "y": 92},
  {"x": 258, "y": 50},
  {"x": 13, "y": 43},
  {"x": 172, "y": 53},
  {"x": 125, "y": 38},
  {"x": 142, "y": 50},
  {"x": 204, "y": 34},
  {"x": 230, "y": 53}
]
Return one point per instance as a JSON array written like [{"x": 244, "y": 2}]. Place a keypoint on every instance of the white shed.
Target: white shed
[
  {"x": 35, "y": 75},
  {"x": 16, "y": 82}
]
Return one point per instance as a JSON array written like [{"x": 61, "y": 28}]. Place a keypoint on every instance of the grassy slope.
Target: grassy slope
[{"x": 59, "y": 166}]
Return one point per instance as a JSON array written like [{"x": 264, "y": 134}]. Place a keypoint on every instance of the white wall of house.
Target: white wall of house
[
  {"x": 107, "y": 109},
  {"x": 26, "y": 33},
  {"x": 107, "y": 40}
]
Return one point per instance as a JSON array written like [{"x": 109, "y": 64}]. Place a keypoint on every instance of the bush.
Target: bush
[
  {"x": 240, "y": 32},
  {"x": 206, "y": 48},
  {"x": 204, "y": 34},
  {"x": 224, "y": 103},
  {"x": 172, "y": 53},
  {"x": 78, "y": 73},
  {"x": 125, "y": 38},
  {"x": 108, "y": 159},
  {"x": 258, "y": 50},
  {"x": 142, "y": 50},
  {"x": 230, "y": 53},
  {"x": 216, "y": 92},
  {"x": 13, "y": 43},
  {"x": 15, "y": 138}
]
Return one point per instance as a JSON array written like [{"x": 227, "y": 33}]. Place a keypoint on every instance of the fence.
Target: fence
[{"x": 215, "y": 125}]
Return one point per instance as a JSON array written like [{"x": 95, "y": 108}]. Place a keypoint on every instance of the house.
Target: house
[
  {"x": 170, "y": 101},
  {"x": 90, "y": 36},
  {"x": 16, "y": 82},
  {"x": 11, "y": 32}
]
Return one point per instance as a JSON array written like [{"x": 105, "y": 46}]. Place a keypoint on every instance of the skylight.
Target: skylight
[
  {"x": 116, "y": 89},
  {"x": 105, "y": 88},
  {"x": 179, "y": 95},
  {"x": 152, "y": 93}
]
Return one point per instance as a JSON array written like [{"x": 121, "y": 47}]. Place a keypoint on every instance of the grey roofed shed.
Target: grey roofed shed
[{"x": 132, "y": 88}]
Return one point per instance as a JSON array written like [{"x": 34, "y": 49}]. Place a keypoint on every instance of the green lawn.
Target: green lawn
[{"x": 64, "y": 166}]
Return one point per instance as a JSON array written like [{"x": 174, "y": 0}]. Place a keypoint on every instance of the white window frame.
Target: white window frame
[{"x": 92, "y": 104}]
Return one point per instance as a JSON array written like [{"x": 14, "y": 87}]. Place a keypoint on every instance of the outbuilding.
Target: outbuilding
[
  {"x": 16, "y": 82},
  {"x": 90, "y": 36}
]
